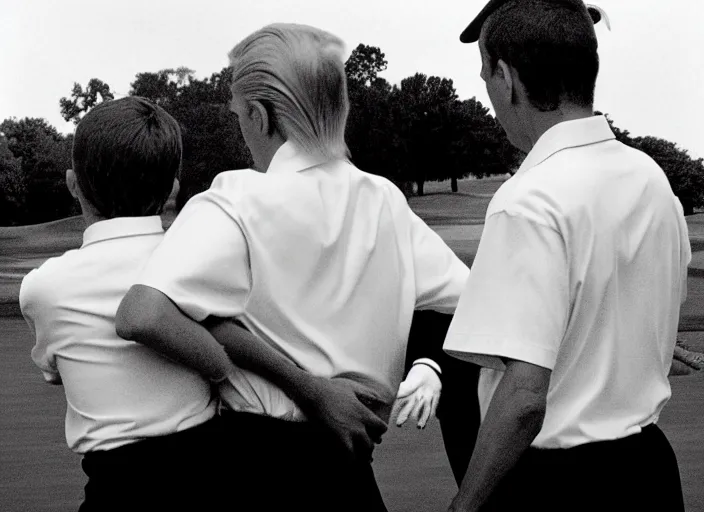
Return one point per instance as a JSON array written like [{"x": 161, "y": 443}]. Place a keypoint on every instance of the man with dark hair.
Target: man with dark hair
[
  {"x": 573, "y": 303},
  {"x": 125, "y": 158},
  {"x": 144, "y": 424}
]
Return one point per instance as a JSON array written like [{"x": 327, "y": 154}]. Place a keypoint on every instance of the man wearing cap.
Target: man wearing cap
[{"x": 573, "y": 303}]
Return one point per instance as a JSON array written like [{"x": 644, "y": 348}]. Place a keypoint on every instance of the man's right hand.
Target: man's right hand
[{"x": 344, "y": 407}]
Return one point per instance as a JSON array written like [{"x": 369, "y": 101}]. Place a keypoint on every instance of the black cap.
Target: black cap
[{"x": 471, "y": 33}]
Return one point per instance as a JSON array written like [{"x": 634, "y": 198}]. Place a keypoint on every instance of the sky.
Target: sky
[{"x": 652, "y": 61}]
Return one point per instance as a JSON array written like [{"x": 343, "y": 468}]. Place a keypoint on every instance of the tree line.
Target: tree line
[{"x": 413, "y": 132}]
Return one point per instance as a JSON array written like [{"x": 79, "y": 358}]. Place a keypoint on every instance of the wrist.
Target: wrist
[
  {"x": 309, "y": 392},
  {"x": 429, "y": 363},
  {"x": 302, "y": 387}
]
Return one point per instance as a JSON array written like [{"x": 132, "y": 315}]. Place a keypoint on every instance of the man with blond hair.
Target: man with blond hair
[{"x": 323, "y": 262}]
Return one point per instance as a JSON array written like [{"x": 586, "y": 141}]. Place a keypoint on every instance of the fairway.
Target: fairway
[{"x": 39, "y": 473}]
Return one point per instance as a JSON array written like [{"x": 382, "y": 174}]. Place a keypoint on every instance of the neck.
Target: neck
[
  {"x": 89, "y": 213},
  {"x": 90, "y": 219},
  {"x": 273, "y": 145},
  {"x": 537, "y": 123}
]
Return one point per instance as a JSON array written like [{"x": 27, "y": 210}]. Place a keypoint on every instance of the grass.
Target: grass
[{"x": 41, "y": 474}]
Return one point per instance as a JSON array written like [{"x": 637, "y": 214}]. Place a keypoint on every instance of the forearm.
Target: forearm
[
  {"x": 148, "y": 317},
  {"x": 426, "y": 337},
  {"x": 506, "y": 433},
  {"x": 249, "y": 352}
]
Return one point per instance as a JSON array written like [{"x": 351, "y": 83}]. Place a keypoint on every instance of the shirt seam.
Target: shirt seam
[{"x": 505, "y": 210}]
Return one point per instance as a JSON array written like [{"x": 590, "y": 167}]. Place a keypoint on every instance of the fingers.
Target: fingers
[
  {"x": 429, "y": 409},
  {"x": 358, "y": 445},
  {"x": 405, "y": 408},
  {"x": 434, "y": 405},
  {"x": 363, "y": 446},
  {"x": 375, "y": 427},
  {"x": 396, "y": 408},
  {"x": 425, "y": 414},
  {"x": 419, "y": 409}
]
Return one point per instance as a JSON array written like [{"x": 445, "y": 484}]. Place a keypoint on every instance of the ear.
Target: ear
[
  {"x": 260, "y": 117},
  {"x": 72, "y": 183},
  {"x": 506, "y": 80}
]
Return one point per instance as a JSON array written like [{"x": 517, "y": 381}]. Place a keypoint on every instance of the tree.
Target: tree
[
  {"x": 81, "y": 101},
  {"x": 422, "y": 108},
  {"x": 162, "y": 87},
  {"x": 44, "y": 156},
  {"x": 685, "y": 174},
  {"x": 364, "y": 65},
  {"x": 12, "y": 186},
  {"x": 419, "y": 130},
  {"x": 212, "y": 141}
]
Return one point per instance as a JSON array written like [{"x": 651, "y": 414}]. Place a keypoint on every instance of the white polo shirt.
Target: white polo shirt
[
  {"x": 117, "y": 391},
  {"x": 581, "y": 269},
  {"x": 321, "y": 260}
]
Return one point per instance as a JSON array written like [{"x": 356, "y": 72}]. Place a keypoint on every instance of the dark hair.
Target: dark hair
[
  {"x": 552, "y": 46},
  {"x": 126, "y": 155}
]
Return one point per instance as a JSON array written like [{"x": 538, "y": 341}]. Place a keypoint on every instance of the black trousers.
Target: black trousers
[
  {"x": 279, "y": 465},
  {"x": 177, "y": 472},
  {"x": 637, "y": 473}
]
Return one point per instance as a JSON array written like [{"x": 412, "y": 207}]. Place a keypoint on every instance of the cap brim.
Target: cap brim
[
  {"x": 595, "y": 13},
  {"x": 473, "y": 30},
  {"x": 471, "y": 33}
]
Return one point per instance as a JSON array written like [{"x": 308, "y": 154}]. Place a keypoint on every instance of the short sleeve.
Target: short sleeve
[
  {"x": 202, "y": 264},
  {"x": 516, "y": 301},
  {"x": 440, "y": 275},
  {"x": 35, "y": 304},
  {"x": 685, "y": 250}
]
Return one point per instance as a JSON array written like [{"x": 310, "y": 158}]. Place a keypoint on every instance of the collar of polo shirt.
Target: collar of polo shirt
[
  {"x": 121, "y": 227},
  {"x": 568, "y": 134},
  {"x": 291, "y": 158}
]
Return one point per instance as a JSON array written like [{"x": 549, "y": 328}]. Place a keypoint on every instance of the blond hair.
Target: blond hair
[{"x": 297, "y": 72}]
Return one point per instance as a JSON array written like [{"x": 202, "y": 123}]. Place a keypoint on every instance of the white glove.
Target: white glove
[{"x": 418, "y": 396}]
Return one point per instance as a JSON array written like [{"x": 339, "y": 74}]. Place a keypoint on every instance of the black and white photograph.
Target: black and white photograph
[{"x": 364, "y": 256}]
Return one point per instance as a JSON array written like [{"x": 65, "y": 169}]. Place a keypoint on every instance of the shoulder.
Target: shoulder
[
  {"x": 235, "y": 180},
  {"x": 531, "y": 196},
  {"x": 390, "y": 190},
  {"x": 44, "y": 286},
  {"x": 231, "y": 188},
  {"x": 226, "y": 193}
]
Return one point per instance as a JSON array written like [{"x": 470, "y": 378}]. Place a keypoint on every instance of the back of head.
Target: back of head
[
  {"x": 551, "y": 44},
  {"x": 297, "y": 72},
  {"x": 126, "y": 155}
]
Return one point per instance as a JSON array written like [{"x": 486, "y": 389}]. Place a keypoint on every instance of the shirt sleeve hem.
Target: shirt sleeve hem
[
  {"x": 429, "y": 362},
  {"x": 196, "y": 314},
  {"x": 487, "y": 351}
]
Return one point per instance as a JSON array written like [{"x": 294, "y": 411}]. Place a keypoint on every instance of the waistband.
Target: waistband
[
  {"x": 160, "y": 445},
  {"x": 648, "y": 435}
]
